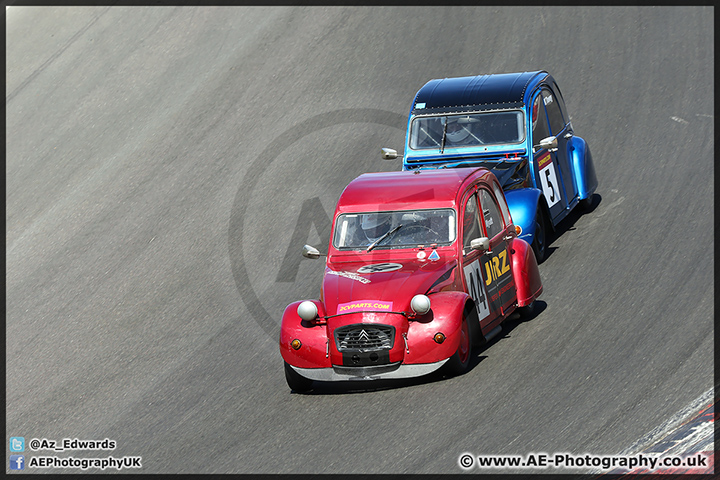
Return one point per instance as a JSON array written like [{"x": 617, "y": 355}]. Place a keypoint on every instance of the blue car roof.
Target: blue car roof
[{"x": 481, "y": 92}]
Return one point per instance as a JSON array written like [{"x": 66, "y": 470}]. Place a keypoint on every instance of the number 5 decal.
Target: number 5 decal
[{"x": 549, "y": 181}]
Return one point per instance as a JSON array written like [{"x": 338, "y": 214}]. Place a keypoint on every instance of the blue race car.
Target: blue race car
[{"x": 514, "y": 124}]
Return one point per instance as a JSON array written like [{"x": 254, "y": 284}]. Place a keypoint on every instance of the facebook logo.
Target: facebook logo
[
  {"x": 17, "y": 444},
  {"x": 17, "y": 462}
]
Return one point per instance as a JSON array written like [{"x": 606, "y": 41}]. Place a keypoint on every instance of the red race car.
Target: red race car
[{"x": 421, "y": 266}]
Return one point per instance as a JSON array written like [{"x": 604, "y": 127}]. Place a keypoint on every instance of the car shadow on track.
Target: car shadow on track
[
  {"x": 354, "y": 387},
  {"x": 568, "y": 223},
  {"x": 476, "y": 357},
  {"x": 515, "y": 319}
]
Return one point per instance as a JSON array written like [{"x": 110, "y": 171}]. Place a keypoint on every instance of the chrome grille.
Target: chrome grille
[{"x": 364, "y": 337}]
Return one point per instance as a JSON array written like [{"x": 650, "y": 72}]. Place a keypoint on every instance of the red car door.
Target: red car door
[
  {"x": 497, "y": 270},
  {"x": 475, "y": 264}
]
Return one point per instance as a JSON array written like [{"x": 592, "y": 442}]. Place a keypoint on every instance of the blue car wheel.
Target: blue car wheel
[{"x": 586, "y": 204}]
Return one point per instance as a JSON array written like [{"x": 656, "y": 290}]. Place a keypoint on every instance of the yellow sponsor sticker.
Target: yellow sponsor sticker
[{"x": 544, "y": 160}]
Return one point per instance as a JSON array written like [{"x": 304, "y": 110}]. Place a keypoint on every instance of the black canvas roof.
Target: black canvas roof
[{"x": 481, "y": 92}]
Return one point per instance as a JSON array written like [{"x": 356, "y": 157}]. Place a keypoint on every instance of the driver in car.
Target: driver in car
[
  {"x": 460, "y": 131},
  {"x": 375, "y": 225}
]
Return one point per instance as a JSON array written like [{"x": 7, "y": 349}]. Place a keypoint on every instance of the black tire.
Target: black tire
[
  {"x": 540, "y": 238},
  {"x": 470, "y": 312},
  {"x": 527, "y": 310},
  {"x": 295, "y": 381},
  {"x": 458, "y": 363},
  {"x": 586, "y": 204}
]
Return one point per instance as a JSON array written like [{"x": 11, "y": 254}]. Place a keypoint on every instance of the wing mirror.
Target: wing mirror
[
  {"x": 389, "y": 154},
  {"x": 549, "y": 143},
  {"x": 482, "y": 244},
  {"x": 311, "y": 252}
]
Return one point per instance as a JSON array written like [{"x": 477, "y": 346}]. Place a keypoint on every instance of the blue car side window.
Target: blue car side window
[
  {"x": 553, "y": 110},
  {"x": 540, "y": 128},
  {"x": 561, "y": 102}
]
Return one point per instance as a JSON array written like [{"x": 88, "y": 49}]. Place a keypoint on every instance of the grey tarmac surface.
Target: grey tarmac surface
[{"x": 162, "y": 160}]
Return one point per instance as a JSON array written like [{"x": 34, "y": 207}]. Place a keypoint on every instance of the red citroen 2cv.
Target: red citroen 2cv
[{"x": 421, "y": 266}]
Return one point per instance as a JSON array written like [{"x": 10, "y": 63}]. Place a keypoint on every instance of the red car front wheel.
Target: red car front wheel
[
  {"x": 296, "y": 381},
  {"x": 458, "y": 363}
]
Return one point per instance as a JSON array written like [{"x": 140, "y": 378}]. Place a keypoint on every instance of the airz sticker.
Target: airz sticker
[{"x": 496, "y": 267}]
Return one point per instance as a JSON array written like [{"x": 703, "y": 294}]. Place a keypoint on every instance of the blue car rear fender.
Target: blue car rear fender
[
  {"x": 583, "y": 168},
  {"x": 523, "y": 204}
]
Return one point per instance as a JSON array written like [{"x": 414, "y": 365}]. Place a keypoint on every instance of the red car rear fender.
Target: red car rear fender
[{"x": 526, "y": 272}]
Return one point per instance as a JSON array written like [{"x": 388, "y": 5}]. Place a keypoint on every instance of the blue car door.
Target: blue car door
[
  {"x": 546, "y": 169},
  {"x": 559, "y": 127}
]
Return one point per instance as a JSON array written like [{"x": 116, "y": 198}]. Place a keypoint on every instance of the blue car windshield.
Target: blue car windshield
[{"x": 451, "y": 131}]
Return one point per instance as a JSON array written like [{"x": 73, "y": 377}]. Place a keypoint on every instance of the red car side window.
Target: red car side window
[
  {"x": 503, "y": 204},
  {"x": 471, "y": 226},
  {"x": 491, "y": 214}
]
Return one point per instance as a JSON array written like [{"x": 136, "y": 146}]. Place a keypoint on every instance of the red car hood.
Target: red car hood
[{"x": 381, "y": 285}]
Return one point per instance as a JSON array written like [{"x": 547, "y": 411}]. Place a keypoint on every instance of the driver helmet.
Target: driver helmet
[
  {"x": 457, "y": 131},
  {"x": 375, "y": 225}
]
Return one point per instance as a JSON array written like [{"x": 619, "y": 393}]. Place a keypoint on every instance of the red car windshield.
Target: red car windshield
[{"x": 399, "y": 229}]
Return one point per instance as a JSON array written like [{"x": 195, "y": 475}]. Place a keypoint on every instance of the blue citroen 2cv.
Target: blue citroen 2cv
[{"x": 514, "y": 124}]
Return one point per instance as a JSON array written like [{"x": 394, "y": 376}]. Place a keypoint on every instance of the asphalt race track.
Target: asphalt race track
[{"x": 166, "y": 165}]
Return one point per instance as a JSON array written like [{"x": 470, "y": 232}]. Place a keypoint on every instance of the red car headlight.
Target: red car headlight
[
  {"x": 307, "y": 310},
  {"x": 420, "y": 304}
]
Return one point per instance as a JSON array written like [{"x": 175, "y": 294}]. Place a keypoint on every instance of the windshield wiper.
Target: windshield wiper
[
  {"x": 376, "y": 242},
  {"x": 442, "y": 147}
]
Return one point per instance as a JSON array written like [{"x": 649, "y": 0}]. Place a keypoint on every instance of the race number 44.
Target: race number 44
[{"x": 476, "y": 288}]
